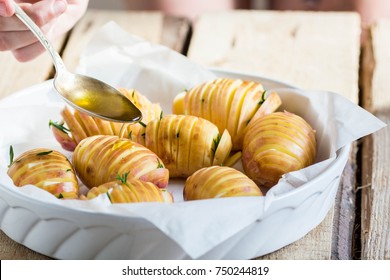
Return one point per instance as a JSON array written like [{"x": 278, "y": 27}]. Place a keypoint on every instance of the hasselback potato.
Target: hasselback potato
[
  {"x": 187, "y": 143},
  {"x": 76, "y": 126},
  {"x": 228, "y": 103},
  {"x": 132, "y": 190},
  {"x": 219, "y": 181},
  {"x": 276, "y": 144},
  {"x": 98, "y": 159},
  {"x": 47, "y": 169}
]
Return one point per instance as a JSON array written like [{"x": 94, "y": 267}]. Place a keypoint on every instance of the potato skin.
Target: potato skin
[
  {"x": 99, "y": 159},
  {"x": 275, "y": 144},
  {"x": 219, "y": 181},
  {"x": 185, "y": 143},
  {"x": 131, "y": 192},
  {"x": 47, "y": 169},
  {"x": 81, "y": 125},
  {"x": 228, "y": 103}
]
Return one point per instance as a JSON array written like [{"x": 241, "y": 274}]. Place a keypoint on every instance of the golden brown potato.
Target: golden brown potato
[
  {"x": 76, "y": 125},
  {"x": 132, "y": 190},
  {"x": 98, "y": 159},
  {"x": 219, "y": 181},
  {"x": 276, "y": 144},
  {"x": 187, "y": 143},
  {"x": 47, "y": 169},
  {"x": 228, "y": 103}
]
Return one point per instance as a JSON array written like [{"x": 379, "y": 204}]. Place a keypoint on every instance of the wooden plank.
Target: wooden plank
[
  {"x": 16, "y": 76},
  {"x": 307, "y": 49},
  {"x": 153, "y": 26},
  {"x": 375, "y": 206}
]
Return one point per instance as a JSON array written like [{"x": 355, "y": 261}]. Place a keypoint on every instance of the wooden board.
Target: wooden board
[
  {"x": 150, "y": 25},
  {"x": 310, "y": 50},
  {"x": 16, "y": 76},
  {"x": 375, "y": 207}
]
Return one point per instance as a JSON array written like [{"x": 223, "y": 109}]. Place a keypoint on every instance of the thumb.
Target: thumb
[{"x": 6, "y": 8}]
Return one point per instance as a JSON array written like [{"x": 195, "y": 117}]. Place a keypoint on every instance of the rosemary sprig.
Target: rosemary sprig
[
  {"x": 131, "y": 135},
  {"x": 59, "y": 126},
  {"x": 161, "y": 115},
  {"x": 262, "y": 97},
  {"x": 123, "y": 178},
  {"x": 159, "y": 164},
  {"x": 109, "y": 197},
  {"x": 44, "y": 153},
  {"x": 143, "y": 124},
  {"x": 11, "y": 156},
  {"x": 216, "y": 142}
]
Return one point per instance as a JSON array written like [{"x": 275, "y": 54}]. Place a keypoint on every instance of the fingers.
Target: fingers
[
  {"x": 41, "y": 13},
  {"x": 16, "y": 37},
  {"x": 29, "y": 52},
  {"x": 13, "y": 40},
  {"x": 6, "y": 8}
]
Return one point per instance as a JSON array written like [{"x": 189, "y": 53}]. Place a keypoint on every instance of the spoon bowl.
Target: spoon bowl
[{"x": 86, "y": 94}]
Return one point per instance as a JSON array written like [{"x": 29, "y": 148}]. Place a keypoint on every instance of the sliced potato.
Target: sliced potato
[
  {"x": 47, "y": 169},
  {"x": 186, "y": 143},
  {"x": 130, "y": 191},
  {"x": 228, "y": 103},
  {"x": 276, "y": 144},
  {"x": 98, "y": 159},
  {"x": 219, "y": 181}
]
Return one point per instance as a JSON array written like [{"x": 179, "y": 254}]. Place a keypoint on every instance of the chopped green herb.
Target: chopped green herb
[
  {"x": 202, "y": 100},
  {"x": 143, "y": 124},
  {"x": 177, "y": 135},
  {"x": 143, "y": 135},
  {"x": 60, "y": 196},
  {"x": 216, "y": 142},
  {"x": 11, "y": 155},
  {"x": 159, "y": 164},
  {"x": 161, "y": 115},
  {"x": 109, "y": 197},
  {"x": 262, "y": 97},
  {"x": 59, "y": 127},
  {"x": 131, "y": 135},
  {"x": 44, "y": 153},
  {"x": 122, "y": 178},
  {"x": 68, "y": 170},
  {"x": 248, "y": 121},
  {"x": 132, "y": 94}
]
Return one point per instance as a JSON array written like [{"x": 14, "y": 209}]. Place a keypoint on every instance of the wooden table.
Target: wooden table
[{"x": 309, "y": 50}]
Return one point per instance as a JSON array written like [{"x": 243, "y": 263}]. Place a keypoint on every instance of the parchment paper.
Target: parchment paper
[{"x": 123, "y": 60}]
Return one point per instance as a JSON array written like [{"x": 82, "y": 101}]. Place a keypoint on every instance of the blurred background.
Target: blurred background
[{"x": 370, "y": 10}]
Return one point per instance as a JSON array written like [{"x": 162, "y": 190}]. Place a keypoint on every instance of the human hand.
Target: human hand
[{"x": 54, "y": 17}]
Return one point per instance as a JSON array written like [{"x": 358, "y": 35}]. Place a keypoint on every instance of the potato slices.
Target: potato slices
[
  {"x": 187, "y": 143},
  {"x": 99, "y": 159},
  {"x": 276, "y": 144},
  {"x": 47, "y": 169},
  {"x": 130, "y": 191},
  {"x": 219, "y": 181},
  {"x": 80, "y": 126},
  {"x": 228, "y": 103}
]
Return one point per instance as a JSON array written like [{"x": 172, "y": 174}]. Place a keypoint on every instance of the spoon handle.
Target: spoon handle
[{"x": 58, "y": 63}]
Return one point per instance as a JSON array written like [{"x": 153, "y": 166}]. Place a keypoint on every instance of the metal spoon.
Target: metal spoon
[{"x": 85, "y": 94}]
